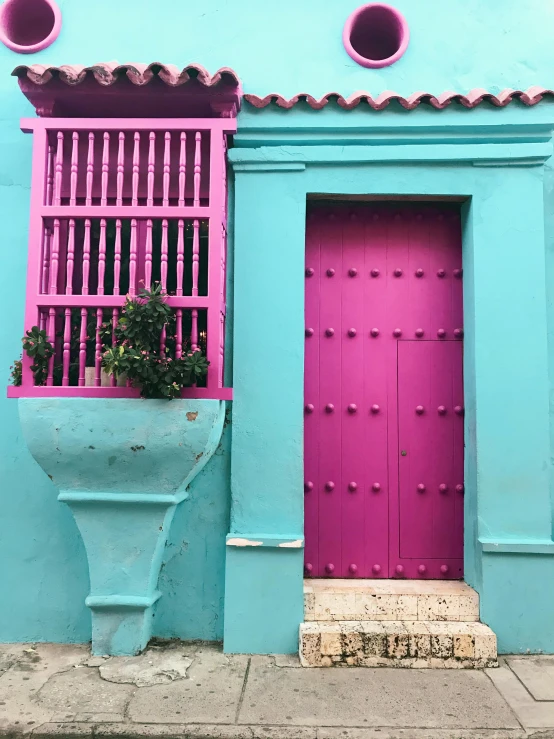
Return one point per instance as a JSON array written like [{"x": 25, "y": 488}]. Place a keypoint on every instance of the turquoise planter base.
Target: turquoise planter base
[
  {"x": 125, "y": 542},
  {"x": 122, "y": 467},
  {"x": 120, "y": 630}
]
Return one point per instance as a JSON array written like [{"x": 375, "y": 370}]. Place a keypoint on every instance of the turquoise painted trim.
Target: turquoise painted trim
[
  {"x": 517, "y": 602},
  {"x": 275, "y": 126},
  {"x": 505, "y": 546},
  {"x": 264, "y": 600},
  {"x": 269, "y": 166},
  {"x": 265, "y": 540},
  {"x": 77, "y": 496},
  {"x": 527, "y": 153},
  {"x": 107, "y": 455},
  {"x": 122, "y": 601},
  {"x": 505, "y": 344},
  {"x": 472, "y": 554},
  {"x": 264, "y": 585}
]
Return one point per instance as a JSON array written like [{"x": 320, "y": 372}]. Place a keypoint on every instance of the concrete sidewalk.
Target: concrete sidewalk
[{"x": 191, "y": 690}]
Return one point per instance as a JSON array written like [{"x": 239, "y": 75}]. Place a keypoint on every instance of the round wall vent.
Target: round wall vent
[
  {"x": 29, "y": 25},
  {"x": 376, "y": 35}
]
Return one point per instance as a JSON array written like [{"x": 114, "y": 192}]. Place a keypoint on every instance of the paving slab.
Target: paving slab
[
  {"x": 376, "y": 697},
  {"x": 230, "y": 731},
  {"x": 209, "y": 694},
  {"x": 532, "y": 714},
  {"x": 536, "y": 673},
  {"x": 27, "y": 669},
  {"x": 80, "y": 694}
]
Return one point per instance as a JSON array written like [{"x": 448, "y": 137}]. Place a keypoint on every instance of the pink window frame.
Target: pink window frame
[{"x": 215, "y": 213}]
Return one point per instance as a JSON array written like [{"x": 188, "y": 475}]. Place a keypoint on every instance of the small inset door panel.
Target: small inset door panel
[{"x": 430, "y": 454}]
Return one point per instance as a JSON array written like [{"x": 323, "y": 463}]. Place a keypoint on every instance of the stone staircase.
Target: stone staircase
[{"x": 394, "y": 623}]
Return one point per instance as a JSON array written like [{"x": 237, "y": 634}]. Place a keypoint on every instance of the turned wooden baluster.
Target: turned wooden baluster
[
  {"x": 182, "y": 169},
  {"x": 105, "y": 168},
  {"x": 136, "y": 168},
  {"x": 164, "y": 252},
  {"x": 70, "y": 258},
  {"x": 133, "y": 259},
  {"x": 178, "y": 333},
  {"x": 46, "y": 260},
  {"x": 50, "y": 175},
  {"x": 180, "y": 256},
  {"x": 66, "y": 347},
  {"x": 117, "y": 258},
  {"x": 90, "y": 169},
  {"x": 120, "y": 168},
  {"x": 167, "y": 167},
  {"x": 59, "y": 171},
  {"x": 51, "y": 336},
  {"x": 195, "y": 256},
  {"x": 148, "y": 256},
  {"x": 98, "y": 352},
  {"x": 74, "y": 168},
  {"x": 83, "y": 346},
  {"x": 54, "y": 258},
  {"x": 102, "y": 256},
  {"x": 197, "y": 168},
  {"x": 151, "y": 167},
  {"x": 86, "y": 256}
]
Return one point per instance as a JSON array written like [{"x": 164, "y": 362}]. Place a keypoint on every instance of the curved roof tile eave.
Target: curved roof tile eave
[
  {"x": 107, "y": 73},
  {"x": 531, "y": 96}
]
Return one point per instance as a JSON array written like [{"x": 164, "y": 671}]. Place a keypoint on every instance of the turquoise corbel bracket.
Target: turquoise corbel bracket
[{"x": 122, "y": 466}]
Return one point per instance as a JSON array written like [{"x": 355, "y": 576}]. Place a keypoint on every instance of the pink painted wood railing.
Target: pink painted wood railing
[{"x": 117, "y": 205}]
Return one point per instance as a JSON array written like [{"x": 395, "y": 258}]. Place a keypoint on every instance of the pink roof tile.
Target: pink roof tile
[
  {"x": 532, "y": 96},
  {"x": 112, "y": 89},
  {"x": 107, "y": 73}
]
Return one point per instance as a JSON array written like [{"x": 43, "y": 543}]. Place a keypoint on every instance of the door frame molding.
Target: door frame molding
[{"x": 388, "y": 154}]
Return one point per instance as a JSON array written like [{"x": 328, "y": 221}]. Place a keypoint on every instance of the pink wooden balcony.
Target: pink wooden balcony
[{"x": 118, "y": 204}]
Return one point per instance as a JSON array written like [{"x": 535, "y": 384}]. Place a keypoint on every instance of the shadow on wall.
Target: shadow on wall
[{"x": 193, "y": 570}]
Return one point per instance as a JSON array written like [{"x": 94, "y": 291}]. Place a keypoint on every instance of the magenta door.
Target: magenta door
[{"x": 383, "y": 391}]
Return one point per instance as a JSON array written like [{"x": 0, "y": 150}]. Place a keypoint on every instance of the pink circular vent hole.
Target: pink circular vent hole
[
  {"x": 376, "y": 35},
  {"x": 27, "y": 26}
]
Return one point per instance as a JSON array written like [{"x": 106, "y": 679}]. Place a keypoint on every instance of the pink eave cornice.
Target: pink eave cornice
[
  {"x": 113, "y": 89},
  {"x": 532, "y": 96}
]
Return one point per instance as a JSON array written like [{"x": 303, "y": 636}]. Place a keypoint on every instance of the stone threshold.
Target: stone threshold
[
  {"x": 389, "y": 600},
  {"x": 415, "y": 644}
]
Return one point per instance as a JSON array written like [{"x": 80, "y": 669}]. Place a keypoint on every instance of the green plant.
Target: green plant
[
  {"x": 136, "y": 350},
  {"x": 17, "y": 372},
  {"x": 40, "y": 350}
]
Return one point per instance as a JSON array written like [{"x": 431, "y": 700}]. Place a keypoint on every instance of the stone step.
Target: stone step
[
  {"x": 434, "y": 644},
  {"x": 389, "y": 600}
]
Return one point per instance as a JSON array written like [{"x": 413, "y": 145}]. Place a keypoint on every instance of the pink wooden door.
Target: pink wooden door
[{"x": 383, "y": 391}]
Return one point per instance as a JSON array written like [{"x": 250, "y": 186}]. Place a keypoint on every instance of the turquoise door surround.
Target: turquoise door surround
[
  {"x": 496, "y": 164},
  {"x": 122, "y": 466}
]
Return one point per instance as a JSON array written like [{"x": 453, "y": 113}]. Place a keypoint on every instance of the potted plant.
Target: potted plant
[
  {"x": 40, "y": 350},
  {"x": 145, "y": 351}
]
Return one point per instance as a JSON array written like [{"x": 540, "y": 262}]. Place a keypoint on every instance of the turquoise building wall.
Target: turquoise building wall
[{"x": 287, "y": 47}]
